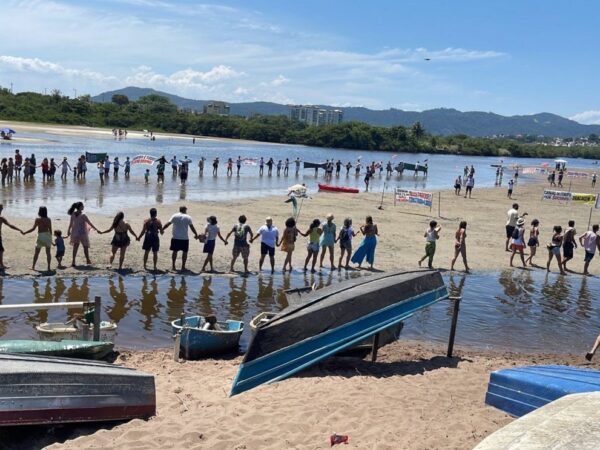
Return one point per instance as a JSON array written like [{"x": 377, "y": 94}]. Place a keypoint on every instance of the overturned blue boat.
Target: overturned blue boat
[{"x": 332, "y": 319}]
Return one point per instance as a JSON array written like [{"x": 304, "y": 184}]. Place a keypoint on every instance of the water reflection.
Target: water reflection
[{"x": 517, "y": 310}]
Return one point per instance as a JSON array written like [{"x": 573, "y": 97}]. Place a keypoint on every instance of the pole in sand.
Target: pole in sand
[{"x": 382, "y": 194}]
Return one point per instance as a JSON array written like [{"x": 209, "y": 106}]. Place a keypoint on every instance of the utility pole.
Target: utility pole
[
  {"x": 75, "y": 92},
  {"x": 11, "y": 87}
]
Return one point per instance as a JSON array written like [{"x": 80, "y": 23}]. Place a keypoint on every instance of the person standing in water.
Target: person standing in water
[
  {"x": 240, "y": 242},
  {"x": 366, "y": 249},
  {"x": 327, "y": 241},
  {"x": 460, "y": 245},
  {"x": 518, "y": 242},
  {"x": 211, "y": 232},
  {"x": 569, "y": 244},
  {"x": 44, "y": 239},
  {"x": 314, "y": 235},
  {"x": 150, "y": 231},
  {"x": 345, "y": 240},
  {"x": 432, "y": 234},
  {"x": 554, "y": 249},
  {"x": 590, "y": 241},
  {"x": 269, "y": 235},
  {"x": 180, "y": 241},
  {"x": 288, "y": 242},
  {"x": 121, "y": 239}
]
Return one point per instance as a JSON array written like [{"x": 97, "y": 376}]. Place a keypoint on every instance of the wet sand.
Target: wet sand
[
  {"x": 412, "y": 398},
  {"x": 401, "y": 228}
]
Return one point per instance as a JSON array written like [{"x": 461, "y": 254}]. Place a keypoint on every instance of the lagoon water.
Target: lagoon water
[
  {"x": 23, "y": 199},
  {"x": 516, "y": 310}
]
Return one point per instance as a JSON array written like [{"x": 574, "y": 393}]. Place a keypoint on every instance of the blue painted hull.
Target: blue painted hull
[
  {"x": 521, "y": 390},
  {"x": 197, "y": 343},
  {"x": 335, "y": 322}
]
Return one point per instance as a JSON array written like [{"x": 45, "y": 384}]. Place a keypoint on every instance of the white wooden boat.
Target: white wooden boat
[{"x": 76, "y": 331}]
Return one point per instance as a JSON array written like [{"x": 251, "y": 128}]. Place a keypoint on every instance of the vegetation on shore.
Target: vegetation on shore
[{"x": 157, "y": 113}]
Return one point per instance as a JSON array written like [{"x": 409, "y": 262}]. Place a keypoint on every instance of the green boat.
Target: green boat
[{"x": 65, "y": 348}]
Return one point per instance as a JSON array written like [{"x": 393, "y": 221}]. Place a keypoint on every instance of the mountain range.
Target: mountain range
[{"x": 439, "y": 121}]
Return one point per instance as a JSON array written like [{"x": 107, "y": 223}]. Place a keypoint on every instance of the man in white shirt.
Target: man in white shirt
[
  {"x": 590, "y": 241},
  {"x": 180, "y": 241},
  {"x": 513, "y": 216},
  {"x": 269, "y": 235}
]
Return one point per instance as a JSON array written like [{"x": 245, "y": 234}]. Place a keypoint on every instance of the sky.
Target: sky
[{"x": 510, "y": 57}]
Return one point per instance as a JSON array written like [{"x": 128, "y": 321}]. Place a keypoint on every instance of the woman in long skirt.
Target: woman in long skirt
[{"x": 366, "y": 249}]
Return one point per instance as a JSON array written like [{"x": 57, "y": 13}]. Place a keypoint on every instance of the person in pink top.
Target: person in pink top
[{"x": 79, "y": 231}]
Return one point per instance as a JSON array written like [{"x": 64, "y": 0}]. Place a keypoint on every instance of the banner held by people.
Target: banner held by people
[
  {"x": 144, "y": 159},
  {"x": 95, "y": 157}
]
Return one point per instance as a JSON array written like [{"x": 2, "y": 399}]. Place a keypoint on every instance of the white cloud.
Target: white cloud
[
  {"x": 591, "y": 117},
  {"x": 18, "y": 64}
]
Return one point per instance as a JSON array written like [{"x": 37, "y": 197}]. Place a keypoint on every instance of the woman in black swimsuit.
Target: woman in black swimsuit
[
  {"x": 152, "y": 227},
  {"x": 120, "y": 239}
]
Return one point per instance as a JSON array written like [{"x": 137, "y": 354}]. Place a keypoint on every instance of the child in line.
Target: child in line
[
  {"x": 59, "y": 243},
  {"x": 147, "y": 176}
]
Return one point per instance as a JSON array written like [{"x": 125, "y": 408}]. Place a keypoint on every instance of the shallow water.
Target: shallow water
[
  {"x": 22, "y": 199},
  {"x": 522, "y": 311}
]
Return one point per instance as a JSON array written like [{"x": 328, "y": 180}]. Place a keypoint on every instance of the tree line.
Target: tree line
[{"x": 157, "y": 113}]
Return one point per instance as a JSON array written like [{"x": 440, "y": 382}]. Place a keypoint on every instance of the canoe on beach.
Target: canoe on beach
[
  {"x": 333, "y": 319},
  {"x": 332, "y": 188},
  {"x": 64, "y": 348},
  {"x": 36, "y": 390}
]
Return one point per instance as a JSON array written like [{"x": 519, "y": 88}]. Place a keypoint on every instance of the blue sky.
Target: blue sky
[{"x": 509, "y": 57}]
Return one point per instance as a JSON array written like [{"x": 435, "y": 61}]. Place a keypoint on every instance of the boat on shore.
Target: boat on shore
[
  {"x": 76, "y": 331},
  {"x": 64, "y": 348},
  {"x": 332, "y": 188},
  {"x": 40, "y": 390},
  {"x": 197, "y": 340},
  {"x": 333, "y": 319}
]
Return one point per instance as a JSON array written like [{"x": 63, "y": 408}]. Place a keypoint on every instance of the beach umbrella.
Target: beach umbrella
[{"x": 7, "y": 131}]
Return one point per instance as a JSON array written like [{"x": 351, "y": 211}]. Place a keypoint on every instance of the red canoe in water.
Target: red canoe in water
[{"x": 331, "y": 188}]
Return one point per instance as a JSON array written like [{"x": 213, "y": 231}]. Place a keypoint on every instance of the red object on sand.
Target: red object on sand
[
  {"x": 338, "y": 439},
  {"x": 331, "y": 188}
]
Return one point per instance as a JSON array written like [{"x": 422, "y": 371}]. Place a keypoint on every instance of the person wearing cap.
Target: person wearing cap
[
  {"x": 269, "y": 235},
  {"x": 180, "y": 241},
  {"x": 327, "y": 240},
  {"x": 513, "y": 216},
  {"x": 518, "y": 242}
]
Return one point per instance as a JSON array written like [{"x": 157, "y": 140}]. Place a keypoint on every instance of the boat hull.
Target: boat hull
[
  {"x": 61, "y": 331},
  {"x": 65, "y": 348},
  {"x": 47, "y": 390},
  {"x": 342, "y": 189},
  {"x": 197, "y": 343},
  {"x": 520, "y": 390},
  {"x": 337, "y": 317}
]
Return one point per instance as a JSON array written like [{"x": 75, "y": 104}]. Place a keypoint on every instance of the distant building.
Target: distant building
[
  {"x": 313, "y": 115},
  {"x": 216, "y": 108}
]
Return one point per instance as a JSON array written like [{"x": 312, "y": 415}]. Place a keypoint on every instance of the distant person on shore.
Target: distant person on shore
[
  {"x": 367, "y": 178},
  {"x": 211, "y": 232},
  {"x": 569, "y": 244},
  {"x": 120, "y": 240},
  {"x": 554, "y": 249},
  {"x": 297, "y": 162},
  {"x": 127, "y": 167},
  {"x": 238, "y": 164},
  {"x": 240, "y": 242},
  {"x": 345, "y": 239},
  {"x": 590, "y": 241},
  {"x": 552, "y": 178},
  {"x": 594, "y": 180},
  {"x": 561, "y": 174},
  {"x": 18, "y": 162},
  {"x": 150, "y": 232},
  {"x": 201, "y": 166},
  {"x": 269, "y": 235},
  {"x": 79, "y": 231},
  {"x": 59, "y": 243},
  {"x": 44, "y": 239},
  {"x": 116, "y": 165},
  {"x": 465, "y": 172},
  {"x": 348, "y": 167},
  {"x": 101, "y": 173},
  {"x": 160, "y": 170},
  {"x": 432, "y": 234},
  {"x": 230, "y": 167},
  {"x": 180, "y": 241},
  {"x": 534, "y": 240},
  {"x": 261, "y": 166},
  {"x": 470, "y": 185},
  {"x": 288, "y": 242},
  {"x": 518, "y": 242},
  {"x": 183, "y": 171},
  {"x": 107, "y": 164},
  {"x": 215, "y": 166},
  {"x": 460, "y": 245},
  {"x": 64, "y": 168},
  {"x": 270, "y": 163},
  {"x": 314, "y": 236},
  {"x": 327, "y": 241},
  {"x": 457, "y": 185},
  {"x": 366, "y": 249},
  {"x": 511, "y": 184},
  {"x": 3, "y": 221},
  {"x": 357, "y": 167},
  {"x": 279, "y": 166}
]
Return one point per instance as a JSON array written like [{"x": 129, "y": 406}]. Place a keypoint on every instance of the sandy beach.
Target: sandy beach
[
  {"x": 401, "y": 229},
  {"x": 412, "y": 398}
]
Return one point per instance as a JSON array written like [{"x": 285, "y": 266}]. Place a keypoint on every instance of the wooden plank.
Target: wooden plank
[{"x": 42, "y": 306}]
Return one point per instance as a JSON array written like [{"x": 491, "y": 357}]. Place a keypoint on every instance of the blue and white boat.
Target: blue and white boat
[
  {"x": 196, "y": 340},
  {"x": 333, "y": 319}
]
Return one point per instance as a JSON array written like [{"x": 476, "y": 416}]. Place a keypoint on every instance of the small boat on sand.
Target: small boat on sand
[
  {"x": 260, "y": 319},
  {"x": 343, "y": 189},
  {"x": 200, "y": 337},
  {"x": 333, "y": 319},
  {"x": 76, "y": 330},
  {"x": 64, "y": 348},
  {"x": 40, "y": 390}
]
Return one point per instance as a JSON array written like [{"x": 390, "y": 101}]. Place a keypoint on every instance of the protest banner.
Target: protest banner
[
  {"x": 143, "y": 159},
  {"x": 577, "y": 174},
  {"x": 561, "y": 196},
  {"x": 588, "y": 199},
  {"x": 416, "y": 197},
  {"x": 95, "y": 157}
]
